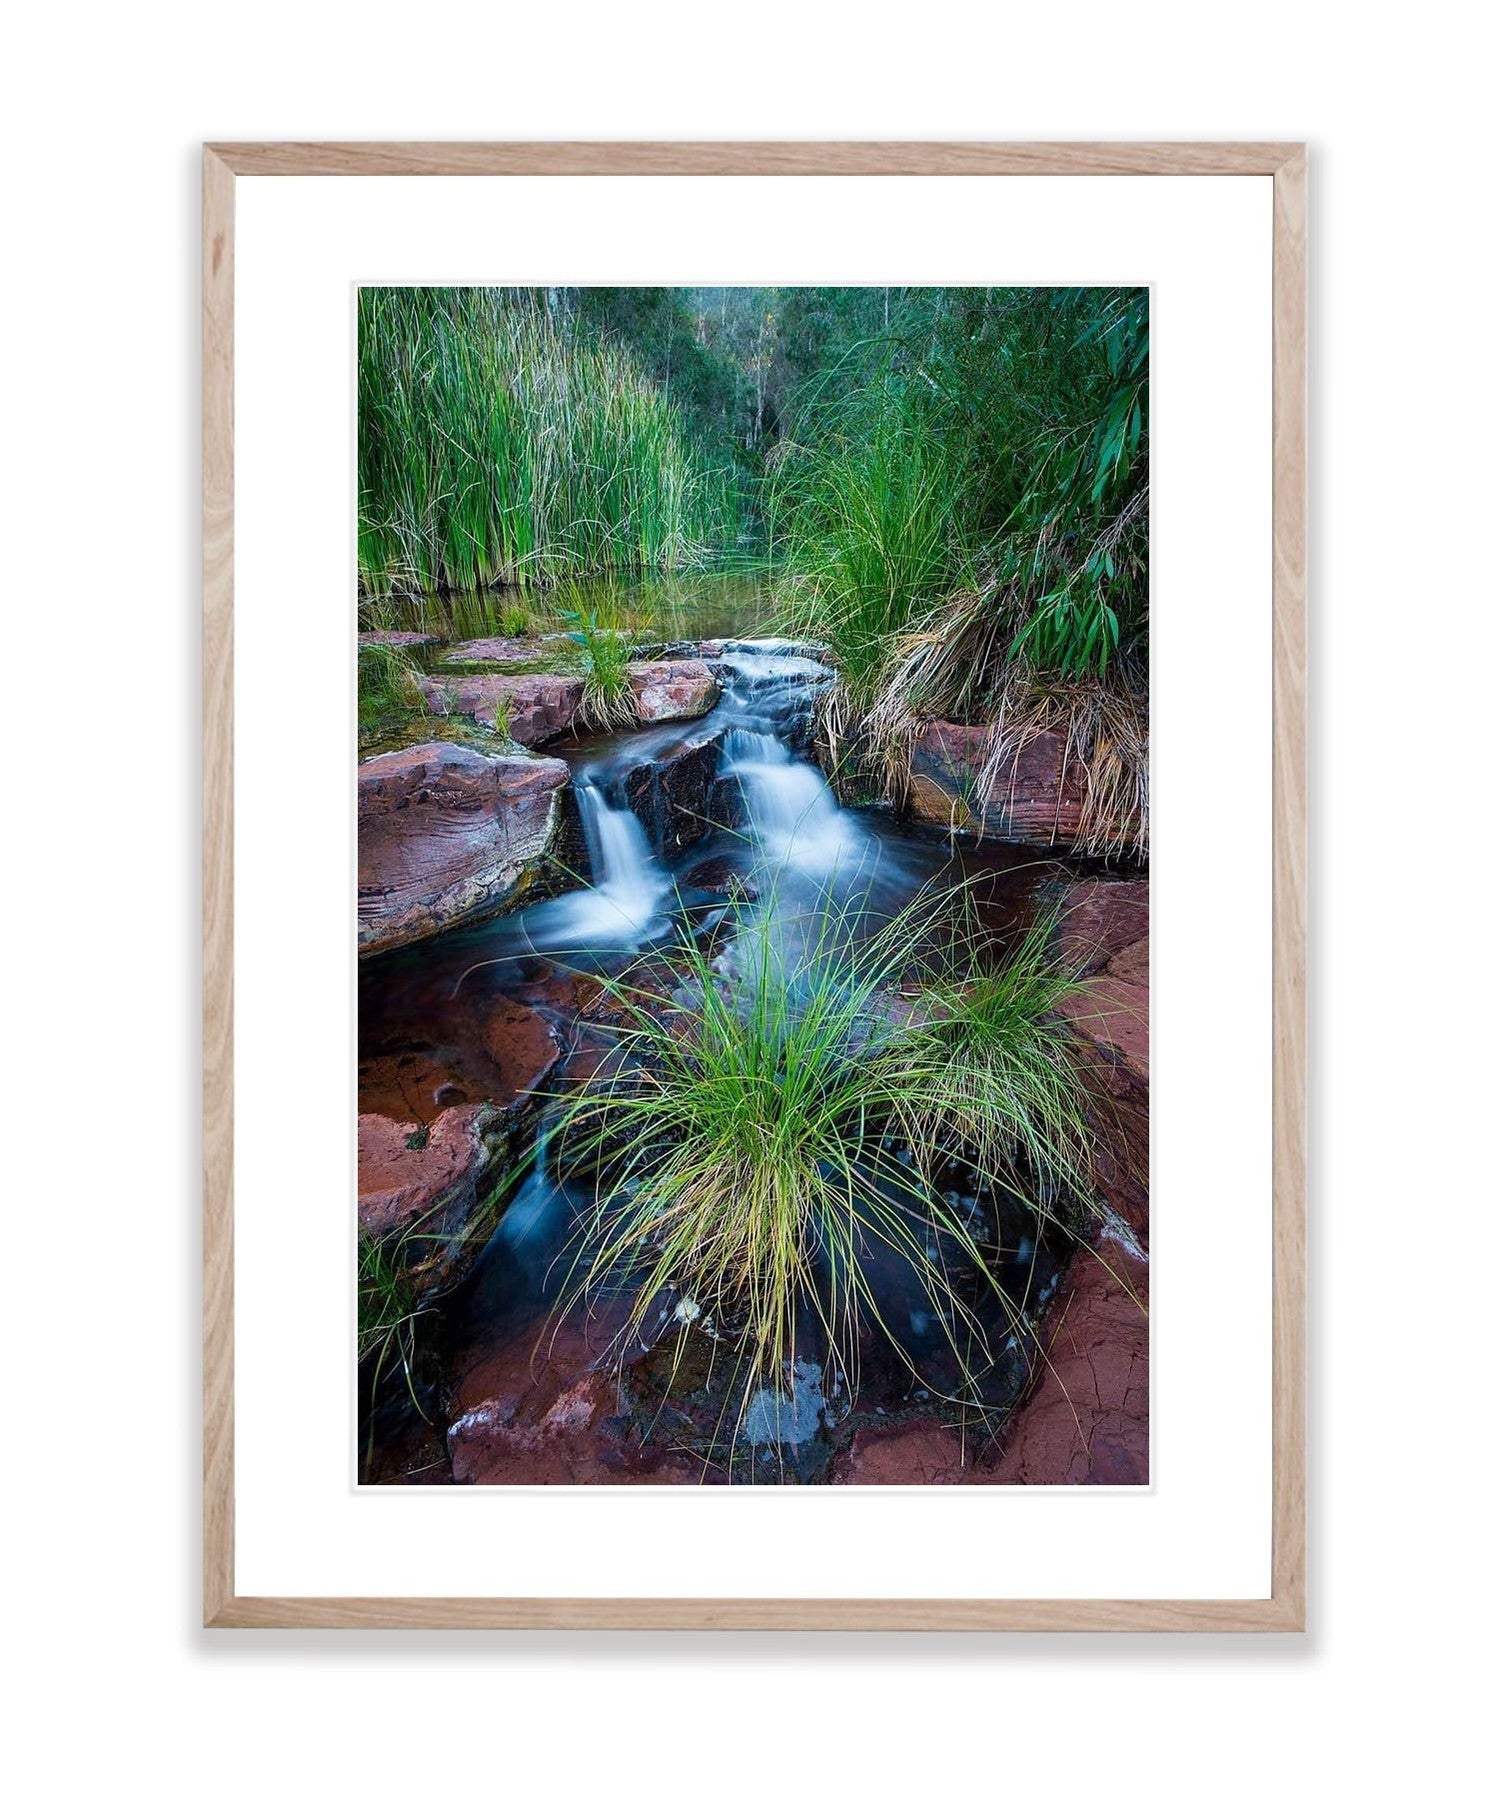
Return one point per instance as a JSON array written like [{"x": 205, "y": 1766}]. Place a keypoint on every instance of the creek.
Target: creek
[{"x": 722, "y": 830}]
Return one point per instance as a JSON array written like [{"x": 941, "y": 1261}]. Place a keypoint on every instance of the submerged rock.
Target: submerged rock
[
  {"x": 399, "y": 640},
  {"x": 507, "y": 649},
  {"x": 446, "y": 833}
]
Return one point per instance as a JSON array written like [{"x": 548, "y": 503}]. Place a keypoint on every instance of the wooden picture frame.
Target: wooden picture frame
[{"x": 1284, "y": 1609}]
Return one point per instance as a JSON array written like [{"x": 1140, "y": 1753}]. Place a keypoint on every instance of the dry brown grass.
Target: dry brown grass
[{"x": 957, "y": 663}]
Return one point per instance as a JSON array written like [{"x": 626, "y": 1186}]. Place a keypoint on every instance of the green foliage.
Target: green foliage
[
  {"x": 496, "y": 444},
  {"x": 388, "y": 690},
  {"x": 995, "y": 439},
  {"x": 866, "y": 525},
  {"x": 750, "y": 1139},
  {"x": 1076, "y": 545},
  {"x": 608, "y": 701}
]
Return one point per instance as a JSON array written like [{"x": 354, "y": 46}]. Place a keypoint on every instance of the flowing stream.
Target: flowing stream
[{"x": 802, "y": 868}]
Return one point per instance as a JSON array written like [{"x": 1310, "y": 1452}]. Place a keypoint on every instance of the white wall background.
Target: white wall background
[{"x": 105, "y": 109}]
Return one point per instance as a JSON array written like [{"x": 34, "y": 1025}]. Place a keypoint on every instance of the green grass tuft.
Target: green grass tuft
[
  {"x": 749, "y": 1143},
  {"x": 388, "y": 691}
]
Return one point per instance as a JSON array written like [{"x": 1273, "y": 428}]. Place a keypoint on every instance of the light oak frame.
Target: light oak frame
[{"x": 1285, "y": 1609}]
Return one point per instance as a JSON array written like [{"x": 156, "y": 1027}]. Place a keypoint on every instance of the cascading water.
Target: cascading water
[
  {"x": 629, "y": 884},
  {"x": 625, "y": 903},
  {"x": 794, "y": 820},
  {"x": 780, "y": 881}
]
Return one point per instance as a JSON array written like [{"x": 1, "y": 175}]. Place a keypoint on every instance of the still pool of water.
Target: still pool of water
[{"x": 673, "y": 607}]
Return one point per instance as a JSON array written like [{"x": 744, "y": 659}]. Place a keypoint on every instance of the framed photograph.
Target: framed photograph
[{"x": 754, "y": 885}]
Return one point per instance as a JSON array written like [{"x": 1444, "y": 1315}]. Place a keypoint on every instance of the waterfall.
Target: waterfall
[
  {"x": 795, "y": 820},
  {"x": 626, "y": 903},
  {"x": 629, "y": 884}
]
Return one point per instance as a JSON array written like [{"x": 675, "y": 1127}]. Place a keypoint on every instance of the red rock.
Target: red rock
[
  {"x": 399, "y": 640},
  {"x": 919, "y": 1452},
  {"x": 446, "y": 834},
  {"x": 1035, "y": 796},
  {"x": 422, "y": 1188},
  {"x": 666, "y": 690},
  {"x": 1111, "y": 1017},
  {"x": 1102, "y": 917},
  {"x": 1087, "y": 1420},
  {"x": 493, "y": 1049},
  {"x": 536, "y": 707},
  {"x": 547, "y": 1409},
  {"x": 506, "y": 649}
]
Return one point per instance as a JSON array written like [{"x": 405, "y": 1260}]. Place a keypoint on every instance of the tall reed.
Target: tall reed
[{"x": 496, "y": 444}]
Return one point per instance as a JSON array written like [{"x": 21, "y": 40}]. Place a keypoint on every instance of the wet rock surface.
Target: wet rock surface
[
  {"x": 1087, "y": 1421},
  {"x": 446, "y": 833},
  {"x": 550, "y": 1408},
  {"x": 1035, "y": 796},
  {"x": 677, "y": 795},
  {"x": 498, "y": 1051}
]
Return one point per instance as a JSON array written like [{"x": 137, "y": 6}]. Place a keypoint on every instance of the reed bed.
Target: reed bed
[{"x": 498, "y": 446}]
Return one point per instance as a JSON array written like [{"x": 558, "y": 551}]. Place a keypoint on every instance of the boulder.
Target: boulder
[
  {"x": 1035, "y": 796},
  {"x": 674, "y": 793},
  {"x": 667, "y": 690},
  {"x": 1086, "y": 1421},
  {"x": 447, "y": 834},
  {"x": 536, "y": 707}
]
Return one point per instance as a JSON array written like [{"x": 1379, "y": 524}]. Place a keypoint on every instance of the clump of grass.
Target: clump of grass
[
  {"x": 608, "y": 702},
  {"x": 867, "y": 525},
  {"x": 499, "y": 445},
  {"x": 391, "y": 1307},
  {"x": 747, "y": 1145},
  {"x": 389, "y": 688},
  {"x": 515, "y": 619}
]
